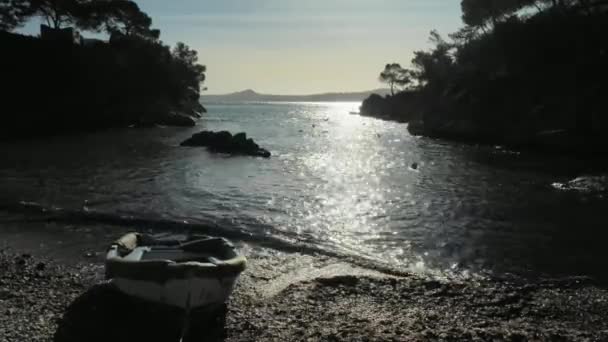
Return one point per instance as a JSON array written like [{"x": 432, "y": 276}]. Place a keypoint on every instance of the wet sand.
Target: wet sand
[{"x": 284, "y": 297}]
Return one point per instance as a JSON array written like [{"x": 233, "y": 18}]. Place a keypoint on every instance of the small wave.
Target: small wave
[
  {"x": 504, "y": 150},
  {"x": 585, "y": 184},
  {"x": 274, "y": 242}
]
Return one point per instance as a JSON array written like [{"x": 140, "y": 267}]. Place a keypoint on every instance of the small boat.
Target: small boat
[{"x": 198, "y": 272}]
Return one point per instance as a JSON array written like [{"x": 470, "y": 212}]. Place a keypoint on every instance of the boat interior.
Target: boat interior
[
  {"x": 166, "y": 253},
  {"x": 207, "y": 251}
]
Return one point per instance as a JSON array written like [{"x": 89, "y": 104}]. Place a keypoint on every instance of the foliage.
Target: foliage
[
  {"x": 395, "y": 76},
  {"x": 112, "y": 16},
  {"x": 518, "y": 68},
  {"x": 117, "y": 17},
  {"x": 57, "y": 13},
  {"x": 133, "y": 79},
  {"x": 13, "y": 13},
  {"x": 187, "y": 69},
  {"x": 433, "y": 66},
  {"x": 477, "y": 12}
]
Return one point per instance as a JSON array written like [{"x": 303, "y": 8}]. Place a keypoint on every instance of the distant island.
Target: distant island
[{"x": 252, "y": 96}]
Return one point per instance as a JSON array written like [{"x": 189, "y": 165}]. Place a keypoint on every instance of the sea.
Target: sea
[{"x": 337, "y": 183}]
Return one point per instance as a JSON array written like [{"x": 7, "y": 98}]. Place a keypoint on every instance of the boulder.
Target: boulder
[{"x": 225, "y": 142}]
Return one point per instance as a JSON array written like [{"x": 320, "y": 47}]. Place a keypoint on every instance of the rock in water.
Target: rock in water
[{"x": 225, "y": 142}]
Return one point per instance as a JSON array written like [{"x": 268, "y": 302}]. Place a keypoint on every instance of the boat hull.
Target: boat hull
[{"x": 188, "y": 293}]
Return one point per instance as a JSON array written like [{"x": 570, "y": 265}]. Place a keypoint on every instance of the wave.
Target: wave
[
  {"x": 289, "y": 244},
  {"x": 585, "y": 184}
]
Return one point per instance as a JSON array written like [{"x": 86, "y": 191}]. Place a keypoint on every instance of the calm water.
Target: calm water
[{"x": 337, "y": 181}]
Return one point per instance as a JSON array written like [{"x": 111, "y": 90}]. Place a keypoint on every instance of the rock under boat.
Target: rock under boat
[{"x": 189, "y": 273}]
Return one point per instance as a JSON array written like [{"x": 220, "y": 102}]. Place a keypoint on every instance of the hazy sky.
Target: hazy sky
[{"x": 305, "y": 46}]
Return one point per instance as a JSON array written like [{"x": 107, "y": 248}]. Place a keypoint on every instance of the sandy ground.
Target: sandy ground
[{"x": 289, "y": 297}]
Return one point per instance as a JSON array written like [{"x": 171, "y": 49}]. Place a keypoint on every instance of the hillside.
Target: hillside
[{"x": 252, "y": 96}]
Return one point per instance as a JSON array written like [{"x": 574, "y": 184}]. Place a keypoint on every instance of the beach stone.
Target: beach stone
[{"x": 5, "y": 294}]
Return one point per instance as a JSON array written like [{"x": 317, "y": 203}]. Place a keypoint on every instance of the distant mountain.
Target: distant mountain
[{"x": 252, "y": 96}]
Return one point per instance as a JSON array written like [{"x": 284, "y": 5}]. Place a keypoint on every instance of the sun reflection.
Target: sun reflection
[{"x": 349, "y": 207}]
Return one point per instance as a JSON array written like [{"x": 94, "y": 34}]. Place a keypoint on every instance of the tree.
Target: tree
[
  {"x": 463, "y": 35},
  {"x": 57, "y": 13},
  {"x": 185, "y": 54},
  {"x": 187, "y": 69},
  {"x": 112, "y": 16},
  {"x": 117, "y": 17},
  {"x": 13, "y": 13},
  {"x": 433, "y": 66},
  {"x": 395, "y": 76},
  {"x": 477, "y": 13}
]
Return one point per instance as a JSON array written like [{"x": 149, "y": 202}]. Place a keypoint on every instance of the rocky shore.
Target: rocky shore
[{"x": 295, "y": 297}]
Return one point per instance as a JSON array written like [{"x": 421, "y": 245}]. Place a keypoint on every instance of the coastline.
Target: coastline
[
  {"x": 558, "y": 141},
  {"x": 499, "y": 86},
  {"x": 284, "y": 296}
]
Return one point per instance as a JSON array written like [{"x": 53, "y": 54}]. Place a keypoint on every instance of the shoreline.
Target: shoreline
[
  {"x": 286, "y": 296},
  {"x": 546, "y": 143}
]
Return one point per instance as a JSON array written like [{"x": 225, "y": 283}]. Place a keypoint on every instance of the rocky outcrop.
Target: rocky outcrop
[
  {"x": 401, "y": 107},
  {"x": 179, "y": 120},
  {"x": 225, "y": 142},
  {"x": 192, "y": 107}
]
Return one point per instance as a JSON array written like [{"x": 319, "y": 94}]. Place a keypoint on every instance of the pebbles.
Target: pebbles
[
  {"x": 366, "y": 308},
  {"x": 35, "y": 296}
]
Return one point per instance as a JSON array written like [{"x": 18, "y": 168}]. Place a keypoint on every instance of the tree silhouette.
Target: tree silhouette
[
  {"x": 117, "y": 17},
  {"x": 434, "y": 66},
  {"x": 187, "y": 69},
  {"x": 57, "y": 13},
  {"x": 13, "y": 13},
  {"x": 478, "y": 13},
  {"x": 395, "y": 76},
  {"x": 112, "y": 16}
]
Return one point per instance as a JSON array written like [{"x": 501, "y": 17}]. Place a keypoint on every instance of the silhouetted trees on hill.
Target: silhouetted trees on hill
[
  {"x": 111, "y": 16},
  {"x": 55, "y": 86},
  {"x": 519, "y": 73}
]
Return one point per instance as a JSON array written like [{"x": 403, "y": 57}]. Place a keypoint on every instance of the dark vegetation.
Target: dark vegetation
[
  {"x": 522, "y": 73},
  {"x": 52, "y": 85}
]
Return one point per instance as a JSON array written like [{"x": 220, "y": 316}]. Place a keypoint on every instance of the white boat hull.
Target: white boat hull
[{"x": 190, "y": 293}]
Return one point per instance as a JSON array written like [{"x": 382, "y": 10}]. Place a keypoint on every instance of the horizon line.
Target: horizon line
[{"x": 205, "y": 93}]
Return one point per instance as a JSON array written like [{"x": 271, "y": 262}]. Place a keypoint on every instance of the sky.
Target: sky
[{"x": 300, "y": 47}]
